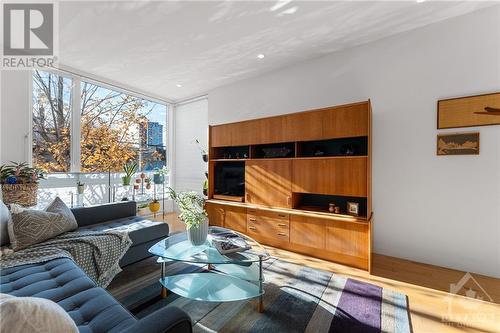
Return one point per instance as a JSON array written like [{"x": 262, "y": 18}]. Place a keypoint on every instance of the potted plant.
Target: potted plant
[
  {"x": 193, "y": 214},
  {"x": 203, "y": 151},
  {"x": 154, "y": 206},
  {"x": 80, "y": 187},
  {"x": 20, "y": 183},
  {"x": 159, "y": 175},
  {"x": 148, "y": 180},
  {"x": 205, "y": 185},
  {"x": 130, "y": 169}
]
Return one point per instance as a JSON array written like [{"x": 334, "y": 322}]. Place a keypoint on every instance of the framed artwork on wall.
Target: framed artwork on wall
[
  {"x": 458, "y": 144},
  {"x": 479, "y": 110}
]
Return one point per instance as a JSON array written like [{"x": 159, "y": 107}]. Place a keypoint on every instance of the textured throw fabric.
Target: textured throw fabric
[
  {"x": 4, "y": 221},
  {"x": 97, "y": 253},
  {"x": 33, "y": 314},
  {"x": 29, "y": 226}
]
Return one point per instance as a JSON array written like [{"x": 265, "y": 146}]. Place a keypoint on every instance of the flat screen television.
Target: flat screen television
[{"x": 229, "y": 178}]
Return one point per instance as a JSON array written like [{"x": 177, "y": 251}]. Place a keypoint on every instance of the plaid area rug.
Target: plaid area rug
[{"x": 297, "y": 299}]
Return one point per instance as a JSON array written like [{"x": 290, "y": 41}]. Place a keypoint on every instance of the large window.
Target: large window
[
  {"x": 111, "y": 128},
  {"x": 52, "y": 108}
]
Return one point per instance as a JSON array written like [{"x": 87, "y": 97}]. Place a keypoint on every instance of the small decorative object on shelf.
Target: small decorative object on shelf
[
  {"x": 337, "y": 210},
  {"x": 130, "y": 169},
  {"x": 80, "y": 187},
  {"x": 20, "y": 183},
  {"x": 348, "y": 149},
  {"x": 193, "y": 214},
  {"x": 353, "y": 208},
  {"x": 318, "y": 151},
  {"x": 276, "y": 152},
  {"x": 148, "y": 183},
  {"x": 331, "y": 207}
]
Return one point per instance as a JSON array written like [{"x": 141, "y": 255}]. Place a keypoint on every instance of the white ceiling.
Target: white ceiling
[{"x": 152, "y": 46}]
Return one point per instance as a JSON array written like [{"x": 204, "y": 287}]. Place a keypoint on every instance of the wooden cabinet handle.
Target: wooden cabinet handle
[
  {"x": 288, "y": 199},
  {"x": 252, "y": 228},
  {"x": 281, "y": 215},
  {"x": 282, "y": 224},
  {"x": 282, "y": 234},
  {"x": 252, "y": 219}
]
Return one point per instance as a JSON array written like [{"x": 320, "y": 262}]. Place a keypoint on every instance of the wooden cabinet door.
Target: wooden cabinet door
[
  {"x": 349, "y": 121},
  {"x": 335, "y": 176},
  {"x": 215, "y": 213},
  {"x": 268, "y": 183},
  {"x": 348, "y": 238},
  {"x": 304, "y": 126},
  {"x": 307, "y": 231},
  {"x": 220, "y": 136},
  {"x": 236, "y": 219}
]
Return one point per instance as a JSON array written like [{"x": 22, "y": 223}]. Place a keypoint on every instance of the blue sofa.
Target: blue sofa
[{"x": 92, "y": 308}]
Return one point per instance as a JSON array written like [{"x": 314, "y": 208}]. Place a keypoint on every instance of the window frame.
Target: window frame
[{"x": 75, "y": 127}]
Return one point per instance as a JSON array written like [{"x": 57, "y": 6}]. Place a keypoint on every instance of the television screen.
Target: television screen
[{"x": 229, "y": 178}]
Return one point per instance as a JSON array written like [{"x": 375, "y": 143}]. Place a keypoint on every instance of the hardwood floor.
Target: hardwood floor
[{"x": 433, "y": 308}]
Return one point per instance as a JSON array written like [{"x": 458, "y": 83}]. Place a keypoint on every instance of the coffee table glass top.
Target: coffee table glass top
[{"x": 178, "y": 247}]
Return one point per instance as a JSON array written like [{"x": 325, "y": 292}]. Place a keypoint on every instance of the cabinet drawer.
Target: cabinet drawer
[
  {"x": 268, "y": 214},
  {"x": 268, "y": 228}
]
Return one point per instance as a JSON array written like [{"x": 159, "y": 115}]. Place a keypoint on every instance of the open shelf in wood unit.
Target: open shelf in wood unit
[
  {"x": 335, "y": 147},
  {"x": 320, "y": 203},
  {"x": 232, "y": 198},
  {"x": 287, "y": 158}
]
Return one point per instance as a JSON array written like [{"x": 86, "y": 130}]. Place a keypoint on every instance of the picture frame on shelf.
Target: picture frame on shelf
[{"x": 353, "y": 208}]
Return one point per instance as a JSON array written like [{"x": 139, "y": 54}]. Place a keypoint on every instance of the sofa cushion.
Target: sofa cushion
[
  {"x": 62, "y": 281},
  {"x": 22, "y": 314},
  {"x": 140, "y": 229},
  {"x": 86, "y": 216}
]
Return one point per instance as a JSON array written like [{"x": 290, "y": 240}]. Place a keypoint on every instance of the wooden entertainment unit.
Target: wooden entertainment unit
[{"x": 274, "y": 178}]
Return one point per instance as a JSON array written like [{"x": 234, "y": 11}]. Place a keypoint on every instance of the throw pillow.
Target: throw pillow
[
  {"x": 29, "y": 226},
  {"x": 58, "y": 206},
  {"x": 33, "y": 314},
  {"x": 4, "y": 221}
]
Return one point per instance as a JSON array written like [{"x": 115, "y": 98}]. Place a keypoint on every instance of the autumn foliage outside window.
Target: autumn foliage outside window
[{"x": 114, "y": 127}]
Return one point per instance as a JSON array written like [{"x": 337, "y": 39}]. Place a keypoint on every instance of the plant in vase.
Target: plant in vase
[
  {"x": 193, "y": 214},
  {"x": 80, "y": 187},
  {"x": 148, "y": 183},
  {"x": 130, "y": 169},
  {"x": 154, "y": 206},
  {"x": 20, "y": 183},
  {"x": 159, "y": 175},
  {"x": 203, "y": 151}
]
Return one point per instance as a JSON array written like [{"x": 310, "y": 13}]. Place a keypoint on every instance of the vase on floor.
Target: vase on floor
[{"x": 197, "y": 235}]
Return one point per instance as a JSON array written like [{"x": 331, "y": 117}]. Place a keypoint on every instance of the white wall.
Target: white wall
[
  {"x": 14, "y": 114},
  {"x": 191, "y": 121},
  {"x": 438, "y": 210}
]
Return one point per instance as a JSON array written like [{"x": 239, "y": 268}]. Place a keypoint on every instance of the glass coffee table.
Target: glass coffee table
[{"x": 230, "y": 277}]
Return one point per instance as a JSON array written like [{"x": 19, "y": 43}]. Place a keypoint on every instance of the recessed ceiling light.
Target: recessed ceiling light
[
  {"x": 178, "y": 85},
  {"x": 420, "y": 1},
  {"x": 261, "y": 56}
]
